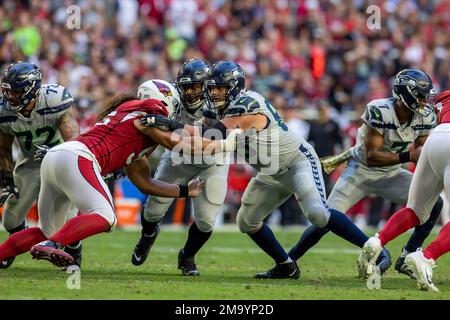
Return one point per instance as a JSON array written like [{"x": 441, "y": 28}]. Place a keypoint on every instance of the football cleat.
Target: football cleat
[
  {"x": 366, "y": 264},
  {"x": 187, "y": 265},
  {"x": 76, "y": 252},
  {"x": 384, "y": 261},
  {"x": 401, "y": 267},
  {"x": 142, "y": 248},
  {"x": 4, "y": 264},
  {"x": 288, "y": 270},
  {"x": 51, "y": 251},
  {"x": 422, "y": 269}
]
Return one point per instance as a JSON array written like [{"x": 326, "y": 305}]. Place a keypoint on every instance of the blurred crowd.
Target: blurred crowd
[{"x": 303, "y": 55}]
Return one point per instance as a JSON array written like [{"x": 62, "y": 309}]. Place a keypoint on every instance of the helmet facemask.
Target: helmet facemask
[
  {"x": 220, "y": 97},
  {"x": 417, "y": 101},
  {"x": 192, "y": 95},
  {"x": 228, "y": 80},
  {"x": 19, "y": 98},
  {"x": 415, "y": 95}
]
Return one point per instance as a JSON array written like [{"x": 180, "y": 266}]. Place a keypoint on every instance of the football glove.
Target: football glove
[
  {"x": 40, "y": 153},
  {"x": 160, "y": 122},
  {"x": 329, "y": 164},
  {"x": 236, "y": 139},
  {"x": 7, "y": 187}
]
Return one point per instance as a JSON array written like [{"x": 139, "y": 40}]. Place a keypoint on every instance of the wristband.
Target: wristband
[
  {"x": 184, "y": 191},
  {"x": 404, "y": 157}
]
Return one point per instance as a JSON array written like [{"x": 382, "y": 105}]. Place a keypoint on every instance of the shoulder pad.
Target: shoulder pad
[
  {"x": 244, "y": 105},
  {"x": 6, "y": 116},
  {"x": 2, "y": 105},
  {"x": 54, "y": 99},
  {"x": 380, "y": 114},
  {"x": 374, "y": 113}
]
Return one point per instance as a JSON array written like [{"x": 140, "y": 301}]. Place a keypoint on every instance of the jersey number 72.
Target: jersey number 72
[{"x": 29, "y": 137}]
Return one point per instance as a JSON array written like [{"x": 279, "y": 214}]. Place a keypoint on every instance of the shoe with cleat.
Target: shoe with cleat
[
  {"x": 52, "y": 251},
  {"x": 288, "y": 270},
  {"x": 187, "y": 265}
]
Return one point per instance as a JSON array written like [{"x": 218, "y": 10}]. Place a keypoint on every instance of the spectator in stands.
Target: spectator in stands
[{"x": 325, "y": 135}]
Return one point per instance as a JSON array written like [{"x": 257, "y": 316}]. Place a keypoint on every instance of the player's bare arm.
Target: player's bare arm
[
  {"x": 68, "y": 126},
  {"x": 374, "y": 157},
  {"x": 194, "y": 144},
  {"x": 244, "y": 123},
  {"x": 418, "y": 144},
  {"x": 192, "y": 138},
  {"x": 247, "y": 122},
  {"x": 420, "y": 141},
  {"x": 6, "y": 160},
  {"x": 139, "y": 173}
]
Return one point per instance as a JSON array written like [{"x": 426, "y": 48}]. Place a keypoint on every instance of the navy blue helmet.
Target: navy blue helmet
[
  {"x": 20, "y": 85},
  {"x": 190, "y": 83},
  {"x": 225, "y": 74},
  {"x": 414, "y": 88}
]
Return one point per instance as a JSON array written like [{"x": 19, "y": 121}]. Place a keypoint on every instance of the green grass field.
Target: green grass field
[{"x": 227, "y": 263}]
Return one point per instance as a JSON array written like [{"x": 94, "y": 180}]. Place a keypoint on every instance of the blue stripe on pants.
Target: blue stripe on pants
[{"x": 316, "y": 173}]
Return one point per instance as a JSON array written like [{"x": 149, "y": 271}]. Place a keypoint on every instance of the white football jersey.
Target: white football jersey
[
  {"x": 280, "y": 143},
  {"x": 41, "y": 127},
  {"x": 380, "y": 115},
  {"x": 181, "y": 114}
]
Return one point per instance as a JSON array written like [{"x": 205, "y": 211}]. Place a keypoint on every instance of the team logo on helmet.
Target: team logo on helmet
[{"x": 163, "y": 88}]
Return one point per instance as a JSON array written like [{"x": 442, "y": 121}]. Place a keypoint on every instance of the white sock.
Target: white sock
[{"x": 288, "y": 260}]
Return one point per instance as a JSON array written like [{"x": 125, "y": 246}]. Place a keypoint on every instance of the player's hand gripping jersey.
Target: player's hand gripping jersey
[{"x": 115, "y": 142}]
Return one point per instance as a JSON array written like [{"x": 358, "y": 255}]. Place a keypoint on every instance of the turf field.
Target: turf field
[{"x": 227, "y": 263}]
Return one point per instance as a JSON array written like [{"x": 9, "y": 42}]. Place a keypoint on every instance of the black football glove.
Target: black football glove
[
  {"x": 40, "y": 153},
  {"x": 7, "y": 187},
  {"x": 160, "y": 122},
  {"x": 116, "y": 175}
]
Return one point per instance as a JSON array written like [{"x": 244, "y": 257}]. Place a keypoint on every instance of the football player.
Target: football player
[
  {"x": 391, "y": 126},
  {"x": 37, "y": 117},
  {"x": 432, "y": 176},
  {"x": 72, "y": 173},
  {"x": 188, "y": 110},
  {"x": 288, "y": 164}
]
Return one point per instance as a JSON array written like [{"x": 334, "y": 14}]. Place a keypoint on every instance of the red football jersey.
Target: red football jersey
[
  {"x": 115, "y": 141},
  {"x": 443, "y": 107}
]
